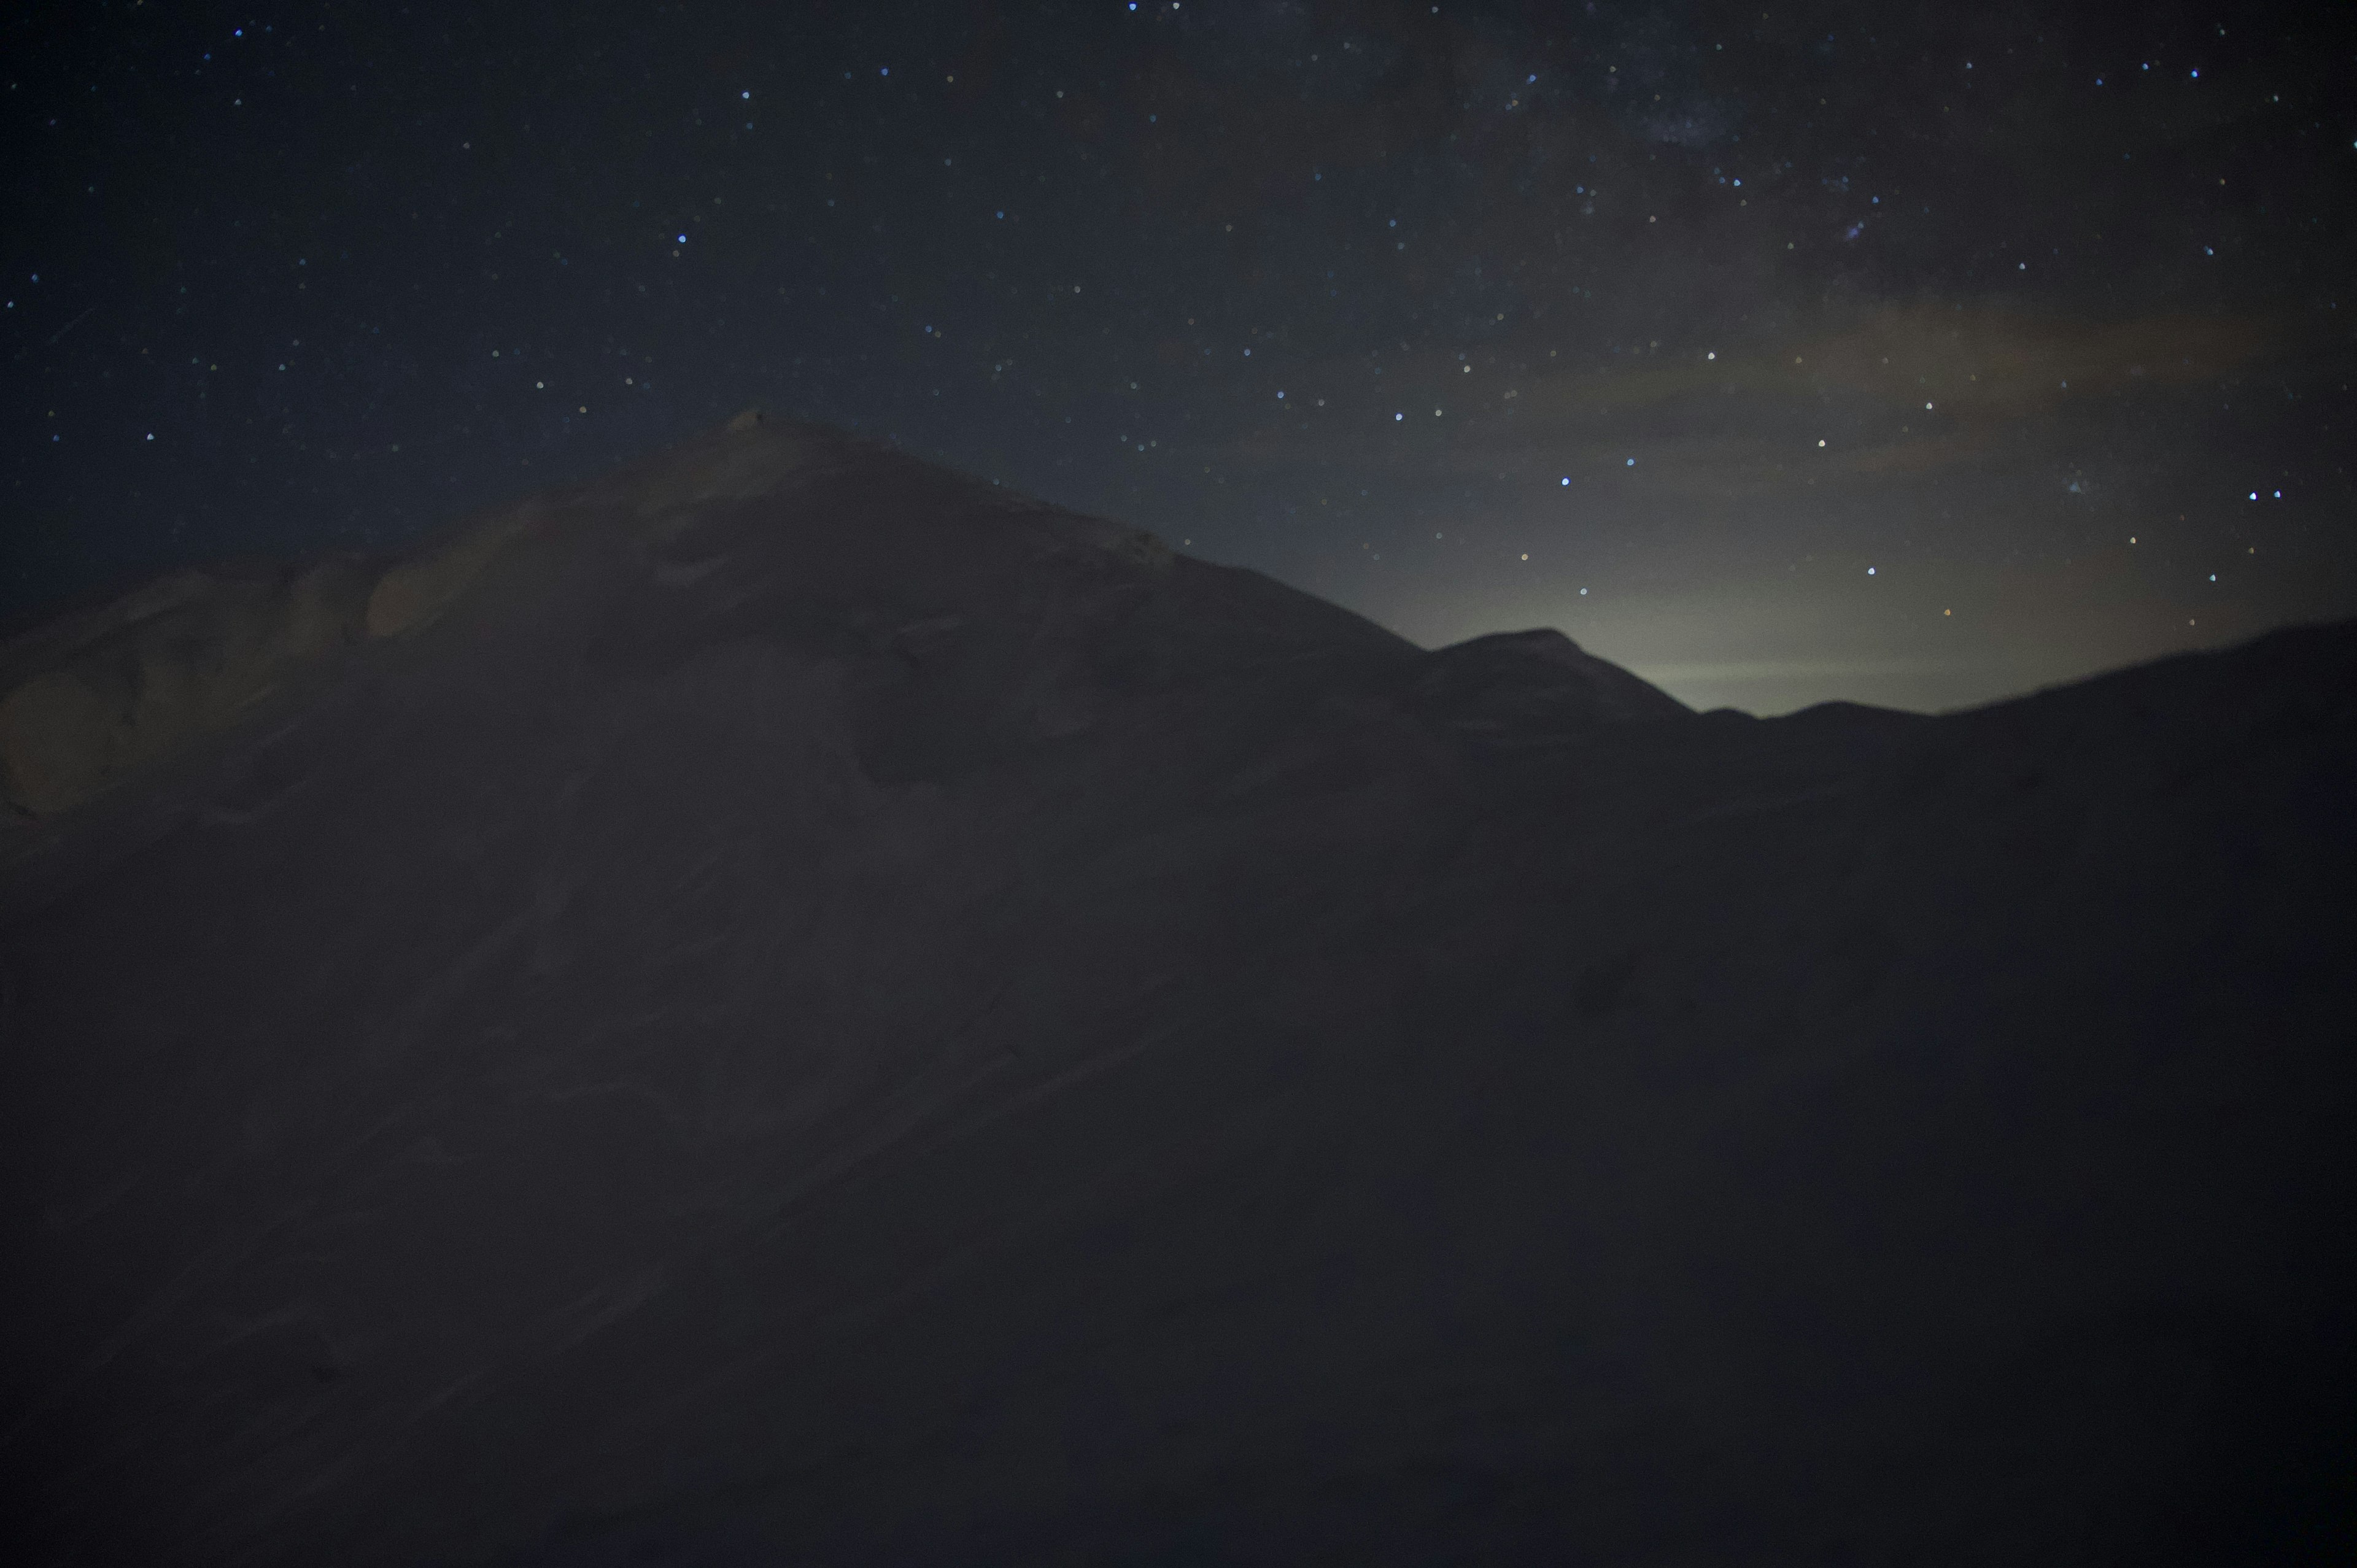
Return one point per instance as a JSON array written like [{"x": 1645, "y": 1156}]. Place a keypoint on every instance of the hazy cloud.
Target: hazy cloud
[{"x": 1967, "y": 361}]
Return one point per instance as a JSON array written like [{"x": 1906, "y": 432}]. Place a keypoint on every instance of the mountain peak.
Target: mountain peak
[
  {"x": 784, "y": 1004},
  {"x": 93, "y": 699}
]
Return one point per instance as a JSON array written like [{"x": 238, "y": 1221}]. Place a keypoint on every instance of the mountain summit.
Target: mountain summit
[{"x": 789, "y": 1005}]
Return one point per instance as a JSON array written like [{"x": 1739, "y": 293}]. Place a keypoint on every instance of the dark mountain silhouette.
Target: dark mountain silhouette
[{"x": 788, "y": 1005}]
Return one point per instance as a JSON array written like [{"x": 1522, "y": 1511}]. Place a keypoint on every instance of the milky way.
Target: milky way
[{"x": 1782, "y": 355}]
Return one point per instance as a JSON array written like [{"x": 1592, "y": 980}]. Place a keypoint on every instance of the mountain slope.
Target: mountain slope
[{"x": 789, "y": 1005}]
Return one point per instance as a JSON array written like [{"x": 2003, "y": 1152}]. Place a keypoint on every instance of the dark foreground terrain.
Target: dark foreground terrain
[{"x": 790, "y": 1006}]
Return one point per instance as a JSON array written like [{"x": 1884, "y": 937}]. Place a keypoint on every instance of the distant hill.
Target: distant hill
[{"x": 791, "y": 1005}]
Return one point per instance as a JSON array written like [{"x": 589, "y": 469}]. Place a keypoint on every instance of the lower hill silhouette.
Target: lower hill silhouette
[{"x": 788, "y": 1005}]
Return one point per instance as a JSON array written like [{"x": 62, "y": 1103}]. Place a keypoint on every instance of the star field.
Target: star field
[{"x": 1780, "y": 354}]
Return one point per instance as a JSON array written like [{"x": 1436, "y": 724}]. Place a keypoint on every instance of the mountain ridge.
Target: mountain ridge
[{"x": 801, "y": 1007}]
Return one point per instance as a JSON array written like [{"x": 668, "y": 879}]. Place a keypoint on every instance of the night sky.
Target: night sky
[{"x": 1914, "y": 357}]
